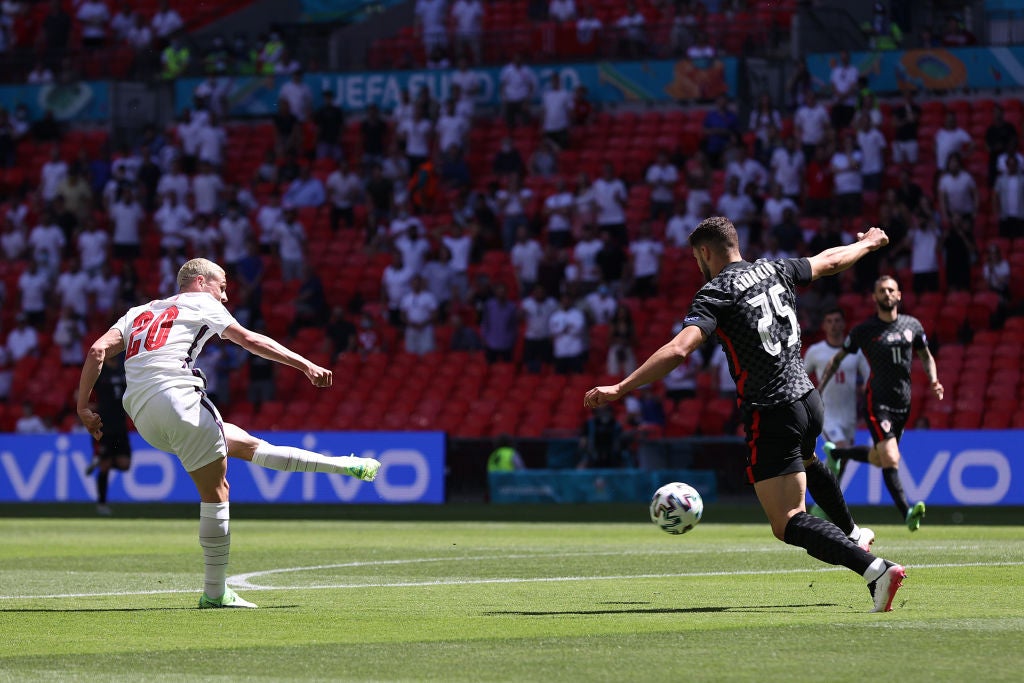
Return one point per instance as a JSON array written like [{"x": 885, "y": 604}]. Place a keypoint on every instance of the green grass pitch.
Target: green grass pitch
[{"x": 446, "y": 599}]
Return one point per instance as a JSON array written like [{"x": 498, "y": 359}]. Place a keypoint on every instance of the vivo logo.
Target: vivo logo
[{"x": 954, "y": 467}]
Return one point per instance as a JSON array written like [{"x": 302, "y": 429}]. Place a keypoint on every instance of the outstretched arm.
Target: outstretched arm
[
  {"x": 661, "y": 362},
  {"x": 933, "y": 372},
  {"x": 838, "y": 259},
  {"x": 830, "y": 369},
  {"x": 264, "y": 346},
  {"x": 110, "y": 343}
]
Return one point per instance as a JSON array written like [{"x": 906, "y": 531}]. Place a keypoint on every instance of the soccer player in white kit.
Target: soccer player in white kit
[
  {"x": 840, "y": 396},
  {"x": 165, "y": 398}
]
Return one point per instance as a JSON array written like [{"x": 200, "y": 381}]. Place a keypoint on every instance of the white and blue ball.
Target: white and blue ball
[{"x": 676, "y": 508}]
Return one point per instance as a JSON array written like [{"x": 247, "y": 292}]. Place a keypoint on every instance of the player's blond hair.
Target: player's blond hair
[{"x": 196, "y": 267}]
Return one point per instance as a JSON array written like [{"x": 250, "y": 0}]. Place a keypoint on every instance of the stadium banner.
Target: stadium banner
[
  {"x": 946, "y": 467},
  {"x": 592, "y": 486},
  {"x": 81, "y": 101},
  {"x": 315, "y": 11},
  {"x": 930, "y": 71},
  {"x": 606, "y": 82},
  {"x": 50, "y": 468}
]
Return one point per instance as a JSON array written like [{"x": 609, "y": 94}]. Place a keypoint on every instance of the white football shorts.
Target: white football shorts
[{"x": 185, "y": 422}]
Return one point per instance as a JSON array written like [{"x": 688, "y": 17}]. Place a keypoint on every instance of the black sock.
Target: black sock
[
  {"x": 825, "y": 490},
  {"x": 858, "y": 453},
  {"x": 102, "y": 479},
  {"x": 826, "y": 542},
  {"x": 895, "y": 486}
]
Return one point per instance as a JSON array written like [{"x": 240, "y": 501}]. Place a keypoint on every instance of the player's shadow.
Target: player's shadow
[
  {"x": 29, "y": 610},
  {"x": 654, "y": 610}
]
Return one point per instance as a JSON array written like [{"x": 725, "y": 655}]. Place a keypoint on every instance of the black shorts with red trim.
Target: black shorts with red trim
[
  {"x": 781, "y": 437},
  {"x": 884, "y": 423}
]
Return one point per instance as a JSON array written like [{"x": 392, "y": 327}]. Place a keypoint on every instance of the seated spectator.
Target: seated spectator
[{"x": 996, "y": 271}]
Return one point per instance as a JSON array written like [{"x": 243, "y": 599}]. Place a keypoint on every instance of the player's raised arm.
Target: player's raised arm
[
  {"x": 830, "y": 369},
  {"x": 838, "y": 259},
  {"x": 661, "y": 362},
  {"x": 110, "y": 343},
  {"x": 264, "y": 346},
  {"x": 933, "y": 372}
]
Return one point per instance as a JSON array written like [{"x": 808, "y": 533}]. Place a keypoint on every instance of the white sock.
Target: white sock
[
  {"x": 874, "y": 570},
  {"x": 215, "y": 539},
  {"x": 854, "y": 534},
  {"x": 291, "y": 459}
]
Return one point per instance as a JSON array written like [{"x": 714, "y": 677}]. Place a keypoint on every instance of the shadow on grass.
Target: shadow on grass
[
  {"x": 656, "y": 610},
  {"x": 28, "y": 610}
]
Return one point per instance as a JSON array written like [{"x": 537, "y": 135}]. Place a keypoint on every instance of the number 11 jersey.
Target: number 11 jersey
[
  {"x": 889, "y": 349},
  {"x": 752, "y": 308},
  {"x": 162, "y": 341}
]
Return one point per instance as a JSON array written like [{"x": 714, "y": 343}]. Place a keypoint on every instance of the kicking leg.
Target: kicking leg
[{"x": 245, "y": 446}]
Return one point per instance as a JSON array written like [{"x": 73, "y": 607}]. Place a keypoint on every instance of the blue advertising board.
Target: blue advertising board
[
  {"x": 51, "y": 468},
  {"x": 934, "y": 69},
  {"x": 80, "y": 101},
  {"x": 946, "y": 468},
  {"x": 593, "y": 486},
  {"x": 606, "y": 82}
]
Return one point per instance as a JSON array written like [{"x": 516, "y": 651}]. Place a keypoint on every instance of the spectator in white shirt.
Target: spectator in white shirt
[
  {"x": 632, "y": 31},
  {"x": 68, "y": 336},
  {"x": 557, "y": 106},
  {"x": 418, "y": 135},
  {"x": 72, "y": 289},
  {"x": 958, "y": 193},
  {"x": 811, "y": 124},
  {"x": 535, "y": 311},
  {"x": 775, "y": 206},
  {"x": 344, "y": 190},
  {"x": 126, "y": 215},
  {"x": 787, "y": 165},
  {"x": 207, "y": 187},
  {"x": 662, "y": 177},
  {"x": 205, "y": 238},
  {"x": 46, "y": 242},
  {"x": 172, "y": 219},
  {"x": 949, "y": 139},
  {"x": 414, "y": 248},
  {"x": 430, "y": 16},
  {"x": 558, "y": 209},
  {"x": 645, "y": 254},
  {"x": 747, "y": 169},
  {"x": 848, "y": 185},
  {"x": 139, "y": 35},
  {"x": 395, "y": 282},
  {"x": 844, "y": 78},
  {"x": 872, "y": 146},
  {"x": 737, "y": 207},
  {"x": 924, "y": 239},
  {"x": 34, "y": 286},
  {"x": 568, "y": 328},
  {"x": 29, "y": 422},
  {"x": 460, "y": 244},
  {"x": 13, "y": 241},
  {"x": 681, "y": 223},
  {"x": 518, "y": 86},
  {"x": 52, "y": 172},
  {"x": 467, "y": 16},
  {"x": 452, "y": 128},
  {"x": 419, "y": 311},
  {"x": 39, "y": 75},
  {"x": 291, "y": 245},
  {"x": 588, "y": 27},
  {"x": 174, "y": 181},
  {"x": 93, "y": 16},
  {"x": 235, "y": 232},
  {"x": 610, "y": 199},
  {"x": 585, "y": 257},
  {"x": 103, "y": 288},
  {"x": 267, "y": 218},
  {"x": 212, "y": 140},
  {"x": 1008, "y": 200},
  {"x": 166, "y": 21},
  {"x": 763, "y": 120},
  {"x": 512, "y": 202},
  {"x": 562, "y": 11},
  {"x": 298, "y": 95},
  {"x": 526, "y": 255},
  {"x": 996, "y": 271}
]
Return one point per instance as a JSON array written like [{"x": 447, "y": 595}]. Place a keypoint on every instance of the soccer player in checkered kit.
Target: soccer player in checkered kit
[
  {"x": 752, "y": 309},
  {"x": 166, "y": 400},
  {"x": 889, "y": 341}
]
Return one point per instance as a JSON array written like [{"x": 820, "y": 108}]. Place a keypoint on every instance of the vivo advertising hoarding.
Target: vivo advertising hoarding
[{"x": 51, "y": 468}]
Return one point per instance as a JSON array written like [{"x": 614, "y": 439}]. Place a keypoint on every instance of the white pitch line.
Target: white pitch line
[{"x": 470, "y": 582}]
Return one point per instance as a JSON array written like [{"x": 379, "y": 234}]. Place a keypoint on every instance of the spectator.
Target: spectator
[
  {"x": 526, "y": 255},
  {"x": 504, "y": 458},
  {"x": 291, "y": 244},
  {"x": 551, "y": 272},
  {"x": 738, "y": 208},
  {"x": 72, "y": 289},
  {"x": 452, "y": 128},
  {"x": 844, "y": 78},
  {"x": 22, "y": 341},
  {"x": 1008, "y": 200},
  {"x": 924, "y": 236},
  {"x": 396, "y": 282},
  {"x": 395, "y": 168},
  {"x": 305, "y": 191},
  {"x": 568, "y": 328},
  {"x": 287, "y": 130},
  {"x": 558, "y": 209},
  {"x": 721, "y": 129},
  {"x": 518, "y": 86},
  {"x": 207, "y": 189},
  {"x": 373, "y": 132},
  {"x": 601, "y": 305},
  {"x": 249, "y": 273},
  {"x": 585, "y": 257},
  {"x": 419, "y": 310},
  {"x": 996, "y": 271},
  {"x": 39, "y": 75},
  {"x": 344, "y": 190},
  {"x": 907, "y": 117},
  {"x": 172, "y": 220},
  {"x": 681, "y": 223},
  {"x": 513, "y": 202},
  {"x": 126, "y": 215},
  {"x": 872, "y": 148},
  {"x": 417, "y": 133},
  {"x": 508, "y": 161},
  {"x": 68, "y": 335},
  {"x": 811, "y": 125},
  {"x": 648, "y": 411},
  {"x": 166, "y": 21},
  {"x": 438, "y": 277},
  {"x": 882, "y": 32},
  {"x": 632, "y": 29},
  {"x": 1000, "y": 139},
  {"x": 430, "y": 22},
  {"x": 498, "y": 326},
  {"x": 74, "y": 190},
  {"x": 610, "y": 198},
  {"x": 611, "y": 261},
  {"x": 788, "y": 237},
  {"x": 235, "y": 233},
  {"x": 584, "y": 202},
  {"x": 454, "y": 174},
  {"x": 414, "y": 248},
  {"x": 380, "y": 193},
  {"x": 848, "y": 184},
  {"x": 601, "y": 441},
  {"x": 544, "y": 160},
  {"x": 701, "y": 51},
  {"x": 557, "y": 104},
  {"x": 949, "y": 139},
  {"x": 467, "y": 16},
  {"x": 93, "y": 16},
  {"x": 340, "y": 333},
  {"x": 588, "y": 27},
  {"x": 747, "y": 169},
  {"x": 175, "y": 58},
  {"x": 267, "y": 219},
  {"x": 13, "y": 241},
  {"x": 961, "y": 252},
  {"x": 662, "y": 177},
  {"x": 776, "y": 204},
  {"x": 463, "y": 337},
  {"x": 51, "y": 174},
  {"x": 681, "y": 382},
  {"x": 955, "y": 34},
  {"x": 536, "y": 311},
  {"x": 562, "y": 11},
  {"x": 645, "y": 253},
  {"x": 212, "y": 140},
  {"x": 29, "y": 422},
  {"x": 47, "y": 243},
  {"x": 57, "y": 31},
  {"x": 763, "y": 119},
  {"x": 140, "y": 37},
  {"x": 957, "y": 192},
  {"x": 299, "y": 97},
  {"x": 621, "y": 342}
]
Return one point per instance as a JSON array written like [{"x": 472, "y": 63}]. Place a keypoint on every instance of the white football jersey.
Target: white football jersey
[
  {"x": 840, "y": 396},
  {"x": 162, "y": 340}
]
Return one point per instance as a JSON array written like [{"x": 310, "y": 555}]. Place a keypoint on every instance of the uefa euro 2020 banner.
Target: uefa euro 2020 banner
[{"x": 51, "y": 468}]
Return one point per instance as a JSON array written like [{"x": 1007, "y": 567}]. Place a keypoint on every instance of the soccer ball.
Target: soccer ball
[{"x": 676, "y": 508}]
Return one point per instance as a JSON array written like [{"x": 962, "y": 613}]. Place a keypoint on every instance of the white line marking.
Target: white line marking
[{"x": 470, "y": 582}]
